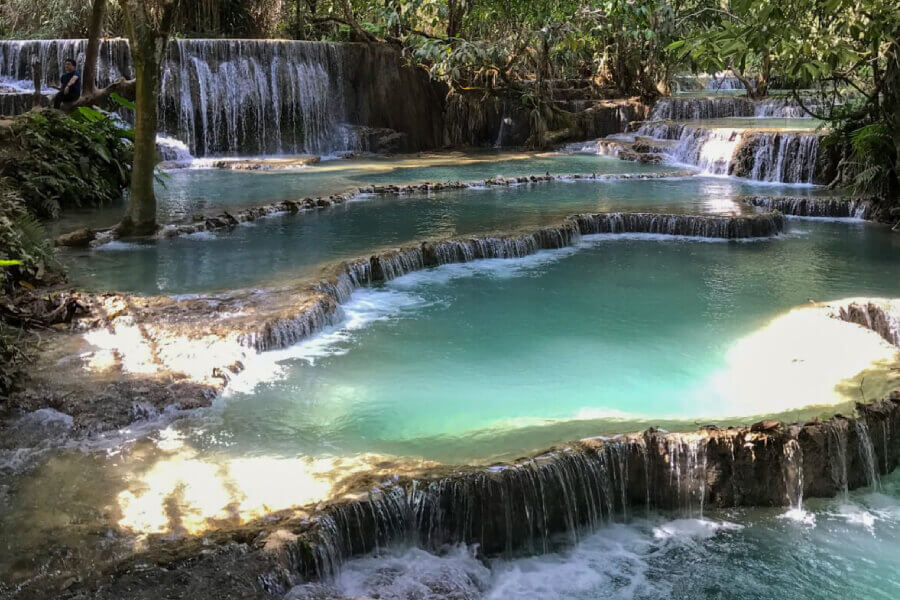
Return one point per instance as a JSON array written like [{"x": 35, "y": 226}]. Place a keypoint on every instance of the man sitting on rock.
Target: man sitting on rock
[{"x": 70, "y": 89}]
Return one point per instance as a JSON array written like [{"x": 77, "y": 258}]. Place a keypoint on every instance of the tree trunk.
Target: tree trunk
[
  {"x": 140, "y": 216},
  {"x": 762, "y": 83},
  {"x": 148, "y": 34},
  {"x": 95, "y": 29},
  {"x": 748, "y": 85},
  {"x": 891, "y": 110}
]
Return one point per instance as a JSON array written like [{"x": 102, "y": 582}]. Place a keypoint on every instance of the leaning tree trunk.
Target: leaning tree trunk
[{"x": 95, "y": 29}]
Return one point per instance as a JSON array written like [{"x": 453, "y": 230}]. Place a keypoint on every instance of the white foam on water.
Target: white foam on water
[
  {"x": 799, "y": 516},
  {"x": 615, "y": 562},
  {"x": 118, "y": 246},
  {"x": 366, "y": 306},
  {"x": 693, "y": 528},
  {"x": 200, "y": 235}
]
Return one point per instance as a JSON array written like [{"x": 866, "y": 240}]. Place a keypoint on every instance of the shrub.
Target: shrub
[{"x": 52, "y": 161}]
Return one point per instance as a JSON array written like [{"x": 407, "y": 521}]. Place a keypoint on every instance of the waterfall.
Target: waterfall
[
  {"x": 792, "y": 474},
  {"x": 785, "y": 108},
  {"x": 837, "y": 453},
  {"x": 535, "y": 505},
  {"x": 779, "y": 157},
  {"x": 867, "y": 454},
  {"x": 710, "y": 150},
  {"x": 723, "y": 81},
  {"x": 687, "y": 109},
  {"x": 255, "y": 97},
  {"x": 684, "y": 225},
  {"x": 16, "y": 56},
  {"x": 801, "y": 206},
  {"x": 259, "y": 97}
]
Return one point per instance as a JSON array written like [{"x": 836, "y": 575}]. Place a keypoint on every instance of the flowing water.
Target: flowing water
[
  {"x": 295, "y": 245},
  {"x": 478, "y": 361},
  {"x": 849, "y": 549}
]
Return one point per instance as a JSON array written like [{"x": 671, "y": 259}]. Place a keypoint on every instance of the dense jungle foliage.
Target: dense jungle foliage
[{"x": 846, "y": 51}]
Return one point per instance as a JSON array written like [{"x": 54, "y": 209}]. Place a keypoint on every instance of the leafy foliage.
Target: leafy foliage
[
  {"x": 53, "y": 161},
  {"x": 27, "y": 254}
]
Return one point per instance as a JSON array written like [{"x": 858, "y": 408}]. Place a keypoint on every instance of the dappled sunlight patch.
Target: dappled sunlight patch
[
  {"x": 802, "y": 358},
  {"x": 186, "y": 493}
]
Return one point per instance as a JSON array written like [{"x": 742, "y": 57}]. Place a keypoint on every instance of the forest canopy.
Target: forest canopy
[{"x": 842, "y": 52}]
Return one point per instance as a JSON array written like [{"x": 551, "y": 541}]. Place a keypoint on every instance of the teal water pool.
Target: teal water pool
[
  {"x": 270, "y": 250},
  {"x": 182, "y": 193},
  {"x": 491, "y": 358}
]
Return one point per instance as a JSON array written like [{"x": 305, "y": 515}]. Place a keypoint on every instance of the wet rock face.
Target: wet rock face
[{"x": 882, "y": 317}]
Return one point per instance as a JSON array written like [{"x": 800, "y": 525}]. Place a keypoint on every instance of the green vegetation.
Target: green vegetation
[{"x": 52, "y": 161}]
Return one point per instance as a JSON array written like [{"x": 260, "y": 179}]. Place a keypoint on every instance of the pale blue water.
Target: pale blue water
[
  {"x": 280, "y": 247},
  {"x": 496, "y": 358},
  {"x": 182, "y": 193}
]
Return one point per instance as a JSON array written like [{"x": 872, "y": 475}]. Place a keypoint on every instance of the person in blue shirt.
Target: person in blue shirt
[{"x": 70, "y": 89}]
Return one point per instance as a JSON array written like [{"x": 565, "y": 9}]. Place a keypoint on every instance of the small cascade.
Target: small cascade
[
  {"x": 16, "y": 57},
  {"x": 173, "y": 151},
  {"x": 867, "y": 454},
  {"x": 538, "y": 504},
  {"x": 723, "y": 81},
  {"x": 692, "y": 109},
  {"x": 324, "y": 308},
  {"x": 282, "y": 333},
  {"x": 682, "y": 225},
  {"x": 792, "y": 474},
  {"x": 784, "y": 108},
  {"x": 836, "y": 433},
  {"x": 777, "y": 157},
  {"x": 686, "y": 460},
  {"x": 801, "y": 206},
  {"x": 711, "y": 150}
]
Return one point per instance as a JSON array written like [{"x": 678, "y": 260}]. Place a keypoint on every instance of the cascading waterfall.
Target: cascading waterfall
[
  {"x": 792, "y": 473},
  {"x": 837, "y": 443},
  {"x": 779, "y": 157},
  {"x": 386, "y": 266},
  {"x": 16, "y": 57},
  {"x": 534, "y": 505},
  {"x": 256, "y": 97},
  {"x": 867, "y": 454},
  {"x": 802, "y": 206},
  {"x": 687, "y": 109},
  {"x": 787, "y": 157},
  {"x": 723, "y": 81},
  {"x": 711, "y": 150}
]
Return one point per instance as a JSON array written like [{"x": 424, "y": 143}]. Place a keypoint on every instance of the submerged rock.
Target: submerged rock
[{"x": 80, "y": 238}]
